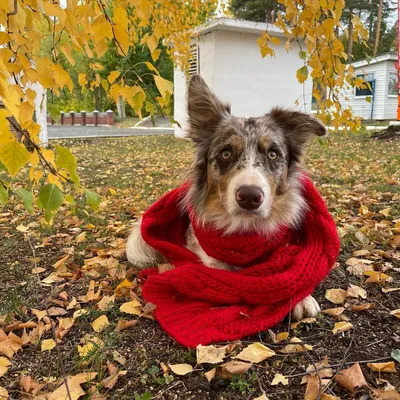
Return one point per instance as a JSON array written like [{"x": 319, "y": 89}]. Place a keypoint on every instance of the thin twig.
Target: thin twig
[
  {"x": 342, "y": 364},
  {"x": 53, "y": 329}
]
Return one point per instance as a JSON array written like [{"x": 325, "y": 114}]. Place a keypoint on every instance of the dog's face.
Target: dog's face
[{"x": 245, "y": 175}]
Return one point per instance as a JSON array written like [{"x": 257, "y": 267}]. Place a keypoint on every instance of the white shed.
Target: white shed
[
  {"x": 379, "y": 101},
  {"x": 226, "y": 55}
]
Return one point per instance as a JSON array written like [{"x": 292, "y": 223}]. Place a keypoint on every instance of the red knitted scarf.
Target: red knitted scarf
[{"x": 200, "y": 305}]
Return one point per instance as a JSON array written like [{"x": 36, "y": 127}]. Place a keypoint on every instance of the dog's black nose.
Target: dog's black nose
[{"x": 249, "y": 197}]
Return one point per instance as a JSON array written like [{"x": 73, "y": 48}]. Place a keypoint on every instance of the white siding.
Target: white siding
[
  {"x": 254, "y": 85},
  {"x": 206, "y": 61},
  {"x": 231, "y": 64},
  {"x": 384, "y": 106},
  {"x": 390, "y": 109}
]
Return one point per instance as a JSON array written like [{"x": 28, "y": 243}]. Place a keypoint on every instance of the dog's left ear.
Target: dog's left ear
[
  {"x": 205, "y": 110},
  {"x": 298, "y": 128}
]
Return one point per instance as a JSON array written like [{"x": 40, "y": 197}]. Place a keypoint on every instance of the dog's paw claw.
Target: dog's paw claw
[{"x": 308, "y": 307}]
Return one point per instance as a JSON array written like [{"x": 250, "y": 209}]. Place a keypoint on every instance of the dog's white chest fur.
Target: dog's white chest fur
[{"x": 193, "y": 245}]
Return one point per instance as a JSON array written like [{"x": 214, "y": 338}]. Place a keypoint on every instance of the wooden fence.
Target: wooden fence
[{"x": 84, "y": 118}]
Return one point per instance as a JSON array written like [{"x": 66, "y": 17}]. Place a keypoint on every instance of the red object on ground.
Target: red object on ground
[{"x": 200, "y": 305}]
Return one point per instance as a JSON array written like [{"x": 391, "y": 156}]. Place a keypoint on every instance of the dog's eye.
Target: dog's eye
[
  {"x": 226, "y": 154},
  {"x": 273, "y": 155}
]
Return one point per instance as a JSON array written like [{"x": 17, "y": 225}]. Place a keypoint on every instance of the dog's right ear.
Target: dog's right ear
[{"x": 205, "y": 110}]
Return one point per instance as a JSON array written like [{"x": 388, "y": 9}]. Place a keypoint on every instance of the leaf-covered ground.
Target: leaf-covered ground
[{"x": 71, "y": 282}]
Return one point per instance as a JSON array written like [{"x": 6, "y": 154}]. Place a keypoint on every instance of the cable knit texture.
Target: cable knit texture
[{"x": 200, "y": 305}]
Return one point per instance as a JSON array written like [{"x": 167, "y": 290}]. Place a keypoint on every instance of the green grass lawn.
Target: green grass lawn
[{"x": 360, "y": 181}]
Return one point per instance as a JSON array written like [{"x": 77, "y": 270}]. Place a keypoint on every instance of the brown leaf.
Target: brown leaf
[
  {"x": 351, "y": 378},
  {"x": 356, "y": 291},
  {"x": 336, "y": 296},
  {"x": 314, "y": 387},
  {"x": 386, "y": 394},
  {"x": 124, "y": 324},
  {"x": 363, "y": 307},
  {"x": 382, "y": 367},
  {"x": 56, "y": 311},
  {"x": 233, "y": 367},
  {"x": 210, "y": 374},
  {"x": 334, "y": 311},
  {"x": 342, "y": 327}
]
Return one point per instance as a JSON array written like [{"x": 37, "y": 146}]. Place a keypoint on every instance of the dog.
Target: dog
[{"x": 245, "y": 176}]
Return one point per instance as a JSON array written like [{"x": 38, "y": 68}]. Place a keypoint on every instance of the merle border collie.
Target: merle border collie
[{"x": 245, "y": 176}]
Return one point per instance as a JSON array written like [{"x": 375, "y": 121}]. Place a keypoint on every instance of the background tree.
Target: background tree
[{"x": 256, "y": 10}]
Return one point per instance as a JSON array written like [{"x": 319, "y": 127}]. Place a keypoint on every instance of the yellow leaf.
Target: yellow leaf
[
  {"x": 100, "y": 323},
  {"x": 396, "y": 313},
  {"x": 14, "y": 156},
  {"x": 255, "y": 352},
  {"x": 279, "y": 378},
  {"x": 131, "y": 307},
  {"x": 181, "y": 369},
  {"x": 4, "y": 364},
  {"x": 342, "y": 327},
  {"x": 82, "y": 79},
  {"x": 3, "y": 393},
  {"x": 48, "y": 344},
  {"x": 386, "y": 367},
  {"x": 210, "y": 354},
  {"x": 163, "y": 85},
  {"x": 334, "y": 311},
  {"x": 336, "y": 296},
  {"x": 113, "y": 76}
]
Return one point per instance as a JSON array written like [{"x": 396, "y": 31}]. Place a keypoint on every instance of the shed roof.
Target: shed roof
[
  {"x": 238, "y": 25},
  {"x": 375, "y": 60}
]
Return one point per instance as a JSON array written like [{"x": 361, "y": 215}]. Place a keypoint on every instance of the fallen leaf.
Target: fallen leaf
[
  {"x": 382, "y": 367},
  {"x": 360, "y": 253},
  {"x": 295, "y": 346},
  {"x": 3, "y": 393},
  {"x": 396, "y": 313},
  {"x": 123, "y": 288},
  {"x": 351, "y": 378},
  {"x": 210, "y": 354},
  {"x": 81, "y": 237},
  {"x": 262, "y": 397},
  {"x": 131, "y": 307},
  {"x": 119, "y": 357},
  {"x": 395, "y": 354},
  {"x": 74, "y": 387},
  {"x": 38, "y": 270},
  {"x": 227, "y": 370},
  {"x": 336, "y": 296},
  {"x": 210, "y": 374},
  {"x": 377, "y": 277},
  {"x": 325, "y": 396},
  {"x": 4, "y": 364},
  {"x": 111, "y": 380},
  {"x": 280, "y": 379},
  {"x": 255, "y": 352},
  {"x": 105, "y": 303},
  {"x": 124, "y": 324},
  {"x": 48, "y": 344},
  {"x": 100, "y": 323},
  {"x": 390, "y": 290},
  {"x": 181, "y": 369},
  {"x": 279, "y": 337},
  {"x": 386, "y": 394},
  {"x": 341, "y": 327},
  {"x": 356, "y": 291},
  {"x": 294, "y": 325},
  {"x": 334, "y": 311},
  {"x": 56, "y": 311},
  {"x": 322, "y": 368},
  {"x": 315, "y": 386},
  {"x": 65, "y": 323},
  {"x": 363, "y": 307}
]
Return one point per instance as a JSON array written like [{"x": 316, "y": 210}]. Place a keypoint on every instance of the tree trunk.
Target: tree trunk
[
  {"x": 351, "y": 39},
  {"x": 378, "y": 27},
  {"x": 121, "y": 108}
]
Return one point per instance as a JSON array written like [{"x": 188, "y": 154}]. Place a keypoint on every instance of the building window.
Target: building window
[
  {"x": 393, "y": 88},
  {"x": 368, "y": 87},
  {"x": 194, "y": 66}
]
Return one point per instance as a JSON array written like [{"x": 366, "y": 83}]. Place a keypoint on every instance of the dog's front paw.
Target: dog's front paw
[{"x": 308, "y": 307}]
